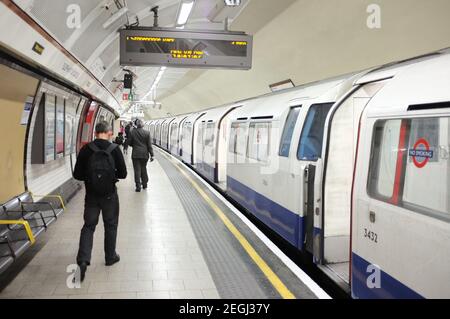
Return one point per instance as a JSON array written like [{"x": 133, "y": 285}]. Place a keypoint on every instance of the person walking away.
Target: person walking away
[
  {"x": 128, "y": 129},
  {"x": 99, "y": 164},
  {"x": 140, "y": 141},
  {"x": 125, "y": 146}
]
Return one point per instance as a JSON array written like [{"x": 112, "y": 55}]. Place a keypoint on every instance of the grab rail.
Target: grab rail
[
  {"x": 25, "y": 224},
  {"x": 51, "y": 196}
]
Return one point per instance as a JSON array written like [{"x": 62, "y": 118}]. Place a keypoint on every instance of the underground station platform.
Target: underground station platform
[{"x": 177, "y": 239}]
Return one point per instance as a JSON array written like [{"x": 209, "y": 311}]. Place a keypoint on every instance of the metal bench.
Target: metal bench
[{"x": 22, "y": 219}]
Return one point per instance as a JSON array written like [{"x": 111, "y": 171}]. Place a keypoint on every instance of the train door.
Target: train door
[
  {"x": 209, "y": 153},
  {"x": 195, "y": 138},
  {"x": 200, "y": 146},
  {"x": 152, "y": 132},
  {"x": 288, "y": 172},
  {"x": 158, "y": 134},
  {"x": 187, "y": 142},
  {"x": 181, "y": 137},
  {"x": 174, "y": 137},
  {"x": 222, "y": 141},
  {"x": 332, "y": 184},
  {"x": 164, "y": 135},
  {"x": 303, "y": 164}
]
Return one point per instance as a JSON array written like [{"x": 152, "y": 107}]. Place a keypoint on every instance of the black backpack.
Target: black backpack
[{"x": 102, "y": 170}]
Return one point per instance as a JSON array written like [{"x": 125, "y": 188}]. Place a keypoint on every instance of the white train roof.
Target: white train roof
[
  {"x": 216, "y": 113},
  {"x": 193, "y": 116},
  {"x": 421, "y": 81},
  {"x": 179, "y": 118},
  {"x": 275, "y": 105}
]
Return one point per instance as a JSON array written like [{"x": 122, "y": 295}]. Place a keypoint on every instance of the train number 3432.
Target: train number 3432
[{"x": 370, "y": 235}]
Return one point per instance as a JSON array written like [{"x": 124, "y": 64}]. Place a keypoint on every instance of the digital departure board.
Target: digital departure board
[{"x": 179, "y": 48}]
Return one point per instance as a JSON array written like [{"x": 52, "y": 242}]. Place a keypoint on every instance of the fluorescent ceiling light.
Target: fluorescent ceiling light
[
  {"x": 116, "y": 16},
  {"x": 156, "y": 81},
  {"x": 185, "y": 11},
  {"x": 232, "y": 3}
]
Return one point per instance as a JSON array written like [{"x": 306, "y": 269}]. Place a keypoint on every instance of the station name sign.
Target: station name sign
[{"x": 180, "y": 48}]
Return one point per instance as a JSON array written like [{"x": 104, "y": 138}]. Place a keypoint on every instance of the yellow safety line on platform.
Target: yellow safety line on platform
[
  {"x": 268, "y": 272},
  {"x": 54, "y": 196},
  {"x": 24, "y": 223}
]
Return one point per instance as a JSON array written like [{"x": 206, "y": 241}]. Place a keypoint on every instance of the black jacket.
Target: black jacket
[
  {"x": 128, "y": 130},
  {"x": 81, "y": 167},
  {"x": 141, "y": 142}
]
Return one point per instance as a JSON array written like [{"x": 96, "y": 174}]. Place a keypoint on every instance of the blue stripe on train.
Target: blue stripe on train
[
  {"x": 389, "y": 286},
  {"x": 206, "y": 170},
  {"x": 286, "y": 223}
]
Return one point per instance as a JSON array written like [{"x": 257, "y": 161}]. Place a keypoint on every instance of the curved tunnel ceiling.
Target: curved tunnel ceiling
[{"x": 98, "y": 47}]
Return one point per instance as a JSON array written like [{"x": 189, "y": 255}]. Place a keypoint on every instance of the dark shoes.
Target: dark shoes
[
  {"x": 82, "y": 267},
  {"x": 116, "y": 259},
  {"x": 138, "y": 188}
]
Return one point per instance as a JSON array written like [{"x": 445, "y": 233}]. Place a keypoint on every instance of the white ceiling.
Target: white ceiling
[{"x": 98, "y": 48}]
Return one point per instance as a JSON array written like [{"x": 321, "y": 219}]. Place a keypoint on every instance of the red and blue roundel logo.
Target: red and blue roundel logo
[{"x": 421, "y": 153}]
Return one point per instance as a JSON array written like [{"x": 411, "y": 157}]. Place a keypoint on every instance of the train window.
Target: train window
[
  {"x": 258, "y": 141},
  {"x": 310, "y": 145},
  {"x": 288, "y": 130},
  {"x": 209, "y": 138},
  {"x": 233, "y": 138},
  {"x": 201, "y": 133},
  {"x": 188, "y": 130},
  {"x": 427, "y": 129},
  {"x": 174, "y": 134},
  {"x": 386, "y": 138},
  {"x": 410, "y": 165},
  {"x": 238, "y": 140}
]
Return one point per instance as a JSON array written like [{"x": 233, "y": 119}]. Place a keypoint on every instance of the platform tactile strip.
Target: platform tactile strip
[{"x": 233, "y": 271}]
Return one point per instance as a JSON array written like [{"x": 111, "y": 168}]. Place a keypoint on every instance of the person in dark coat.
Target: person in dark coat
[
  {"x": 108, "y": 205},
  {"x": 140, "y": 141},
  {"x": 128, "y": 129}
]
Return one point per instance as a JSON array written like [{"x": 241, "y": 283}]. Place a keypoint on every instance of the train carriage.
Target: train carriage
[
  {"x": 165, "y": 133},
  {"x": 273, "y": 140},
  {"x": 175, "y": 135},
  {"x": 212, "y": 141},
  {"x": 401, "y": 200},
  {"x": 352, "y": 171},
  {"x": 189, "y": 132}
]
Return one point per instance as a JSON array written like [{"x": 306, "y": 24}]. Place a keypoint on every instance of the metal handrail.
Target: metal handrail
[
  {"x": 51, "y": 196},
  {"x": 23, "y": 223}
]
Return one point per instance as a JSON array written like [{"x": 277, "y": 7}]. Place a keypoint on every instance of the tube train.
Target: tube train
[{"x": 353, "y": 170}]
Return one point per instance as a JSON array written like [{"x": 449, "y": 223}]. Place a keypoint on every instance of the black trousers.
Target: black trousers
[
  {"x": 109, "y": 207},
  {"x": 140, "y": 171}
]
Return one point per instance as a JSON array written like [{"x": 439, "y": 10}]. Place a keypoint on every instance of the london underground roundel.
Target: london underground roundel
[{"x": 421, "y": 153}]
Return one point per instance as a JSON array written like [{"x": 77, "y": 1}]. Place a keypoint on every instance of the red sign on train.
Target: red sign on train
[{"x": 421, "y": 153}]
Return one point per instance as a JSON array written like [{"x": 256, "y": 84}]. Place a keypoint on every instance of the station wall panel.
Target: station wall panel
[
  {"x": 43, "y": 179},
  {"x": 15, "y": 87}
]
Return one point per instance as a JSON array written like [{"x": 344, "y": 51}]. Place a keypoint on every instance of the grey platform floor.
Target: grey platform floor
[{"x": 171, "y": 244}]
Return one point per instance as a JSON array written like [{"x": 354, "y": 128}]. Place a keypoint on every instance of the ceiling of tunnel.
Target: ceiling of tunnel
[{"x": 98, "y": 47}]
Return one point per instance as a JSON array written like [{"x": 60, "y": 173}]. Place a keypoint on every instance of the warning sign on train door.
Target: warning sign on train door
[{"x": 421, "y": 153}]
